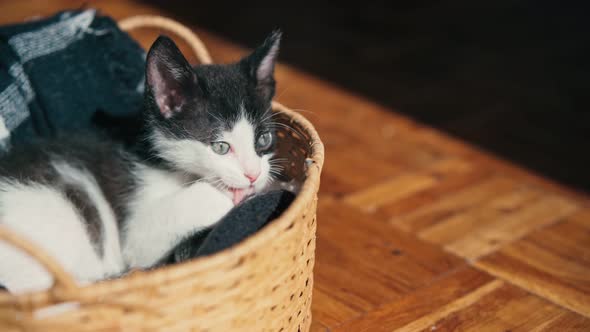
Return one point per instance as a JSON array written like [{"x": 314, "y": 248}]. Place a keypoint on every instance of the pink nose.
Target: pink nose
[{"x": 252, "y": 176}]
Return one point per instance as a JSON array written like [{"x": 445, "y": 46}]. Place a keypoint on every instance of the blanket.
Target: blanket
[{"x": 56, "y": 73}]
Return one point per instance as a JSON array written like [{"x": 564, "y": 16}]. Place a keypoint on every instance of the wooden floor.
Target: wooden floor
[{"x": 418, "y": 231}]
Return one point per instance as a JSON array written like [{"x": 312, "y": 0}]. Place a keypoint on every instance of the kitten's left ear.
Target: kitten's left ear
[{"x": 260, "y": 64}]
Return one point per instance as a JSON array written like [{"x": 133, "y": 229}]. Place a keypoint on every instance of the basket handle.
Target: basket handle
[
  {"x": 62, "y": 280},
  {"x": 144, "y": 21}
]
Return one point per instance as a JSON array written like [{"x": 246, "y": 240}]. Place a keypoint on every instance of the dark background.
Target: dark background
[{"x": 509, "y": 76}]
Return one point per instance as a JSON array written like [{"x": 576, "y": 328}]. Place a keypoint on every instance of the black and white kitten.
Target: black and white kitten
[{"x": 101, "y": 209}]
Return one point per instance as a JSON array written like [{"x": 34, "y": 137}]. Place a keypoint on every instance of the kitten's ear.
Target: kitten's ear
[
  {"x": 169, "y": 77},
  {"x": 260, "y": 64}
]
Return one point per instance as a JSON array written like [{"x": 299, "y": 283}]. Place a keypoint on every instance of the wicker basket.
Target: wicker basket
[{"x": 261, "y": 284}]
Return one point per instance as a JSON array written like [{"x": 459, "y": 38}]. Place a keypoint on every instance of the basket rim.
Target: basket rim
[{"x": 142, "y": 278}]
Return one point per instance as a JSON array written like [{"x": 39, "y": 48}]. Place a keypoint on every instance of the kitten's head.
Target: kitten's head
[{"x": 213, "y": 121}]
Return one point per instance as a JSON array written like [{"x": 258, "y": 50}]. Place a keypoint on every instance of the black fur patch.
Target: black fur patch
[{"x": 89, "y": 213}]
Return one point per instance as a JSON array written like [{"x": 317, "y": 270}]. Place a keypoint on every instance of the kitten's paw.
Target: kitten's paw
[{"x": 218, "y": 203}]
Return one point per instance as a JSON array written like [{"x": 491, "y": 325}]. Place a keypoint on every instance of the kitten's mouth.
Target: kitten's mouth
[{"x": 238, "y": 194}]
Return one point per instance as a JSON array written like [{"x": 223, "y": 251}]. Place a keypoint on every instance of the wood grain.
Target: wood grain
[
  {"x": 493, "y": 235},
  {"x": 412, "y": 220},
  {"x": 501, "y": 307},
  {"x": 422, "y": 303},
  {"x": 552, "y": 262},
  {"x": 348, "y": 172},
  {"x": 317, "y": 327},
  {"x": 409, "y": 183},
  {"x": 429, "y": 321},
  {"x": 358, "y": 263},
  {"x": 469, "y": 301},
  {"x": 453, "y": 203}
]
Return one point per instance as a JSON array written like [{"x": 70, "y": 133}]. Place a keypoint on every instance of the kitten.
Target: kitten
[{"x": 100, "y": 208}]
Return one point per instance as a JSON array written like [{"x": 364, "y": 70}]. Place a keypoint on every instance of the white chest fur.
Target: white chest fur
[{"x": 165, "y": 210}]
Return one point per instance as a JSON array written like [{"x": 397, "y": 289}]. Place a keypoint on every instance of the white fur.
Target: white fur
[
  {"x": 226, "y": 171},
  {"x": 48, "y": 219},
  {"x": 164, "y": 211},
  {"x": 190, "y": 155},
  {"x": 42, "y": 215},
  {"x": 241, "y": 138},
  {"x": 244, "y": 159}
]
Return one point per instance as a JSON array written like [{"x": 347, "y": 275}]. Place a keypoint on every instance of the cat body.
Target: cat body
[{"x": 101, "y": 208}]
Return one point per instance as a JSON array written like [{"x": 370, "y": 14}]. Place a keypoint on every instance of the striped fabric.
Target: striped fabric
[{"x": 56, "y": 73}]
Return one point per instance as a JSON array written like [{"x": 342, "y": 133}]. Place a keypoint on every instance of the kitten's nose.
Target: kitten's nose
[{"x": 252, "y": 176}]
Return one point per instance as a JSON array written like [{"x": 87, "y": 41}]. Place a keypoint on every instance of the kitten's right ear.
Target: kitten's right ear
[
  {"x": 260, "y": 64},
  {"x": 169, "y": 77}
]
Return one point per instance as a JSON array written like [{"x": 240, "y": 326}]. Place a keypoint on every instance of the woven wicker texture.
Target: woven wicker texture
[{"x": 262, "y": 284}]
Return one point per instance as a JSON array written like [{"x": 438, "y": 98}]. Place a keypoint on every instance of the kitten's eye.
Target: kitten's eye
[
  {"x": 264, "y": 141},
  {"x": 220, "y": 147}
]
